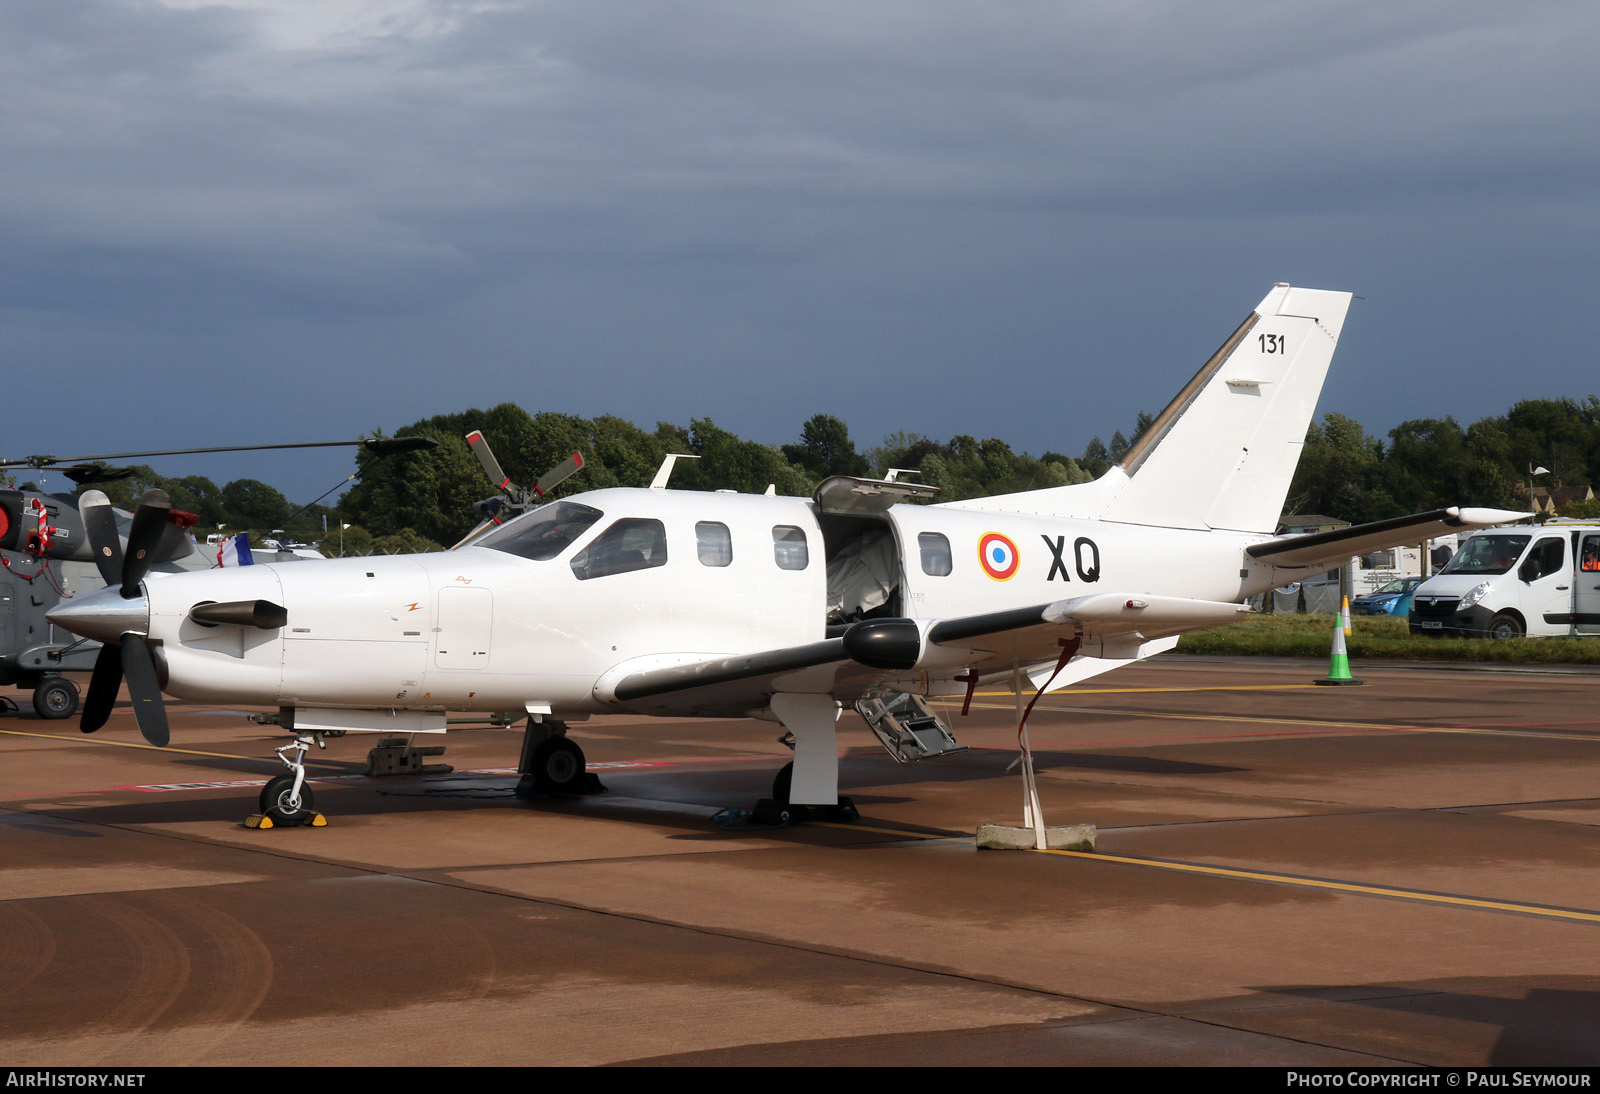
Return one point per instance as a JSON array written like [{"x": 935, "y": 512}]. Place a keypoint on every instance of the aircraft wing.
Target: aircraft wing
[
  {"x": 1317, "y": 548},
  {"x": 906, "y": 654}
]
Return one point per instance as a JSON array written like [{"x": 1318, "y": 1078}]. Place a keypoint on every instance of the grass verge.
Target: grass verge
[{"x": 1377, "y": 637}]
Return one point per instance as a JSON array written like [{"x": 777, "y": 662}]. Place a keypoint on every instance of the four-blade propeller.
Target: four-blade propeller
[{"x": 129, "y": 658}]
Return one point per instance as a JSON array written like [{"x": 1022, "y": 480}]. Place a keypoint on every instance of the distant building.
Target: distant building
[{"x": 1548, "y": 499}]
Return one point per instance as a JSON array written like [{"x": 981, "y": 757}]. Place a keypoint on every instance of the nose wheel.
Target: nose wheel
[{"x": 284, "y": 804}]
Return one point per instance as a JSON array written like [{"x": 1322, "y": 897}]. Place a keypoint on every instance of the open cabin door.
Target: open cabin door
[
  {"x": 865, "y": 578},
  {"x": 863, "y": 554}
]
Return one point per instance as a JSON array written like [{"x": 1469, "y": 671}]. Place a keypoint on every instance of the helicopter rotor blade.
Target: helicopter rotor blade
[
  {"x": 373, "y": 444},
  {"x": 491, "y": 466},
  {"x": 558, "y": 474}
]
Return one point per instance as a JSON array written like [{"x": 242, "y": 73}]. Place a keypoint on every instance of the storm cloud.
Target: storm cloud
[{"x": 272, "y": 220}]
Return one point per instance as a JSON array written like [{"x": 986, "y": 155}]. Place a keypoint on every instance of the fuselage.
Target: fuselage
[{"x": 541, "y": 614}]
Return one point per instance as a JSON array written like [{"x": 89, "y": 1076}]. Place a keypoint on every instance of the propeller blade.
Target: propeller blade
[
  {"x": 558, "y": 474},
  {"x": 262, "y": 614},
  {"x": 149, "y": 522},
  {"x": 145, "y": 689},
  {"x": 103, "y": 688},
  {"x": 100, "y": 523},
  {"x": 491, "y": 466}
]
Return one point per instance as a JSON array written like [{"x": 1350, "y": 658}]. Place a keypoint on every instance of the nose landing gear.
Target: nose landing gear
[{"x": 286, "y": 799}]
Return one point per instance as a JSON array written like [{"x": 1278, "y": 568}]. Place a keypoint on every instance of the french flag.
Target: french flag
[{"x": 236, "y": 551}]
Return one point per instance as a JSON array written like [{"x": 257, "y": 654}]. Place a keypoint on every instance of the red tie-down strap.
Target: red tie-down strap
[{"x": 1069, "y": 647}]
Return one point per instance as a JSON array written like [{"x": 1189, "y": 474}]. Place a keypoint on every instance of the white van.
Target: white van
[{"x": 1525, "y": 579}]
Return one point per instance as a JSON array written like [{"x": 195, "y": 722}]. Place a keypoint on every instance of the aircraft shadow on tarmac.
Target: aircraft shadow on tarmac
[
  {"x": 1549, "y": 1027},
  {"x": 991, "y": 763},
  {"x": 868, "y": 776}
]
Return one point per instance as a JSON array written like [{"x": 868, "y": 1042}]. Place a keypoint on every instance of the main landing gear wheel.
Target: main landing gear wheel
[
  {"x": 558, "y": 767},
  {"x": 279, "y": 804},
  {"x": 1505, "y": 625},
  {"x": 778, "y": 809},
  {"x": 55, "y": 697}
]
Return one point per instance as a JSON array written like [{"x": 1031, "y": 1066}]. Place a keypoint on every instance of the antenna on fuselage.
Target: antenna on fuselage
[{"x": 665, "y": 471}]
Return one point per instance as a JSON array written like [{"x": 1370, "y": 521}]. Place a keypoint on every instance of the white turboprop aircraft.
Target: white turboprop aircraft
[{"x": 657, "y": 602}]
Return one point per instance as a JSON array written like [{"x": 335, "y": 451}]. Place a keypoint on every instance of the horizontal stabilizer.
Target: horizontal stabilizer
[{"x": 1317, "y": 548}]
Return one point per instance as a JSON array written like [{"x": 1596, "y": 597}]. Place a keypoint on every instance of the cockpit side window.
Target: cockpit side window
[
  {"x": 713, "y": 542},
  {"x": 544, "y": 533},
  {"x": 633, "y": 543},
  {"x": 789, "y": 547}
]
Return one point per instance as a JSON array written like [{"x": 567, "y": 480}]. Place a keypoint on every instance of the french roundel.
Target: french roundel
[{"x": 998, "y": 556}]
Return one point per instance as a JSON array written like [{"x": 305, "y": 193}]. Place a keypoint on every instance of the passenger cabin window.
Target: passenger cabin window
[
  {"x": 1548, "y": 556},
  {"x": 544, "y": 533},
  {"x": 935, "y": 553},
  {"x": 789, "y": 547},
  {"x": 633, "y": 543},
  {"x": 714, "y": 543}
]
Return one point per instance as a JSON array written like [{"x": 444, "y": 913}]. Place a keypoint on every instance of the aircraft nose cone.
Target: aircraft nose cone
[{"x": 102, "y": 615}]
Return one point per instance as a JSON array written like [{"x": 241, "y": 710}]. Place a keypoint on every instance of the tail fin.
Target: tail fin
[{"x": 1222, "y": 454}]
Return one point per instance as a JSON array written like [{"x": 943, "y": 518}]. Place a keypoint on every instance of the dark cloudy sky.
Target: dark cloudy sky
[{"x": 251, "y": 220}]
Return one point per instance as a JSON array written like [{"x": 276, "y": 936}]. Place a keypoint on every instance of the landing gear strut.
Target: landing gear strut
[
  {"x": 286, "y": 799},
  {"x": 552, "y": 763}
]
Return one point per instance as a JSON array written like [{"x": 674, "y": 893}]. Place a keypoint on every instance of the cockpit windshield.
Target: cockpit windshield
[
  {"x": 1487, "y": 555},
  {"x": 544, "y": 533}
]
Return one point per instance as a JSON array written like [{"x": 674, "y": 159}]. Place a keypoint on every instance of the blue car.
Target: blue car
[{"x": 1393, "y": 599}]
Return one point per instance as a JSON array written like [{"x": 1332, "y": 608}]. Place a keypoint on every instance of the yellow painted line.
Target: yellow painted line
[
  {"x": 88, "y": 740},
  {"x": 1340, "y": 886},
  {"x": 1274, "y": 879}
]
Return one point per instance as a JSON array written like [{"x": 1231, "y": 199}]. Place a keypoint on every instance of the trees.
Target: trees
[
  {"x": 729, "y": 463},
  {"x": 1340, "y": 473},
  {"x": 825, "y": 449},
  {"x": 414, "y": 500},
  {"x": 254, "y": 504}
]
